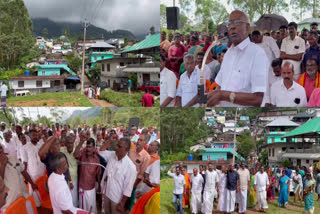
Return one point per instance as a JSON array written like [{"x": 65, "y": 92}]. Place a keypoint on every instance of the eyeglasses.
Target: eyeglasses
[{"x": 236, "y": 22}]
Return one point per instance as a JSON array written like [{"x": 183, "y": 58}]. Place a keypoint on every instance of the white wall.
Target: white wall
[{"x": 28, "y": 84}]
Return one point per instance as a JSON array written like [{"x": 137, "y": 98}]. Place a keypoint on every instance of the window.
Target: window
[
  {"x": 20, "y": 84},
  {"x": 108, "y": 67},
  {"x": 307, "y": 161},
  {"x": 284, "y": 149},
  {"x": 121, "y": 63},
  {"x": 270, "y": 152},
  {"x": 57, "y": 83},
  {"x": 95, "y": 58},
  {"x": 273, "y": 152},
  {"x": 102, "y": 67},
  {"x": 102, "y": 57},
  {"x": 39, "y": 83}
]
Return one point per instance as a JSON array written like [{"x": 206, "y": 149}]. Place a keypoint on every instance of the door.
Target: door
[{"x": 299, "y": 162}]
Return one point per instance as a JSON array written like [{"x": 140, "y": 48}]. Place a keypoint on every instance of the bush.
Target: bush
[
  {"x": 6, "y": 75},
  {"x": 171, "y": 158},
  {"x": 124, "y": 99}
]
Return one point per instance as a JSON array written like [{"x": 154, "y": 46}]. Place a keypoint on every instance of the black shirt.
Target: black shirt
[{"x": 232, "y": 178}]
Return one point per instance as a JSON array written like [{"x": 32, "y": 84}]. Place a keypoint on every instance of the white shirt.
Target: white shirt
[
  {"x": 121, "y": 175},
  {"x": 293, "y": 47},
  {"x": 178, "y": 183},
  {"x": 245, "y": 69},
  {"x": 261, "y": 181},
  {"x": 197, "y": 182},
  {"x": 60, "y": 194},
  {"x": 30, "y": 155},
  {"x": 222, "y": 182},
  {"x": 270, "y": 48},
  {"x": 211, "y": 179},
  {"x": 188, "y": 87},
  {"x": 283, "y": 97},
  {"x": 272, "y": 79},
  {"x": 4, "y": 90},
  {"x": 206, "y": 72},
  {"x": 154, "y": 172},
  {"x": 168, "y": 86},
  {"x": 10, "y": 148}
]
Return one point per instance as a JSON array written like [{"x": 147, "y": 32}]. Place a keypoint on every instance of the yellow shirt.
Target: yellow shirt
[{"x": 73, "y": 167}]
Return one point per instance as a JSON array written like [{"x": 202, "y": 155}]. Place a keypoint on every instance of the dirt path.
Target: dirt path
[{"x": 100, "y": 103}]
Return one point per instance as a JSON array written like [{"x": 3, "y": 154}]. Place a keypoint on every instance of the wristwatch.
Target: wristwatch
[{"x": 232, "y": 96}]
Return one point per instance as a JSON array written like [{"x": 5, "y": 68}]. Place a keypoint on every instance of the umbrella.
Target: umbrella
[
  {"x": 222, "y": 28},
  {"x": 271, "y": 22}
]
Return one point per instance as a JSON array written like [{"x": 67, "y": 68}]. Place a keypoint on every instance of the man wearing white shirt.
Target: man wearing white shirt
[
  {"x": 222, "y": 189},
  {"x": 196, "y": 189},
  {"x": 210, "y": 189},
  {"x": 179, "y": 188},
  {"x": 59, "y": 191},
  {"x": 34, "y": 166},
  {"x": 168, "y": 84},
  {"x": 188, "y": 83},
  {"x": 261, "y": 184},
  {"x": 288, "y": 93},
  {"x": 292, "y": 49},
  {"x": 244, "y": 178},
  {"x": 243, "y": 76},
  {"x": 4, "y": 90},
  {"x": 10, "y": 146},
  {"x": 119, "y": 176},
  {"x": 276, "y": 76}
]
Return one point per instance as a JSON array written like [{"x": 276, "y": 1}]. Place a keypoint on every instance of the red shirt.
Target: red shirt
[{"x": 147, "y": 100}]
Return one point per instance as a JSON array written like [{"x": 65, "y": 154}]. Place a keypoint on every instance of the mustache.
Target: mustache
[{"x": 286, "y": 78}]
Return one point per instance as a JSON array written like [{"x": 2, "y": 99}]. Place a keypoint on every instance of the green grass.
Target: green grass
[
  {"x": 167, "y": 207},
  {"x": 51, "y": 99},
  {"x": 122, "y": 99}
]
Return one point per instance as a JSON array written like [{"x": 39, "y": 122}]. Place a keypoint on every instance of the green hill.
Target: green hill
[{"x": 56, "y": 29}]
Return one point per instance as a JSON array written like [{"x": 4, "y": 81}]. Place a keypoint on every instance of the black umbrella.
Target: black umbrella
[{"x": 270, "y": 22}]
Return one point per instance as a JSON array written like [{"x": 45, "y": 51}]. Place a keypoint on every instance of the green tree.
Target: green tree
[
  {"x": 152, "y": 30},
  {"x": 74, "y": 62},
  {"x": 95, "y": 73},
  {"x": 246, "y": 144},
  {"x": 163, "y": 18},
  {"x": 134, "y": 80},
  {"x": 45, "y": 33},
  {"x": 16, "y": 33},
  {"x": 257, "y": 8},
  {"x": 300, "y": 7},
  {"x": 183, "y": 127}
]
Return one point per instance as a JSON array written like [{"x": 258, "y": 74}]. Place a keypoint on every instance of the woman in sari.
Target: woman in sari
[
  {"x": 297, "y": 185},
  {"x": 284, "y": 190},
  {"x": 308, "y": 195},
  {"x": 252, "y": 198}
]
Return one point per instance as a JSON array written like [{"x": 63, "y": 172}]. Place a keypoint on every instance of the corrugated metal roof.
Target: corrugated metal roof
[
  {"x": 150, "y": 42},
  {"x": 102, "y": 45},
  {"x": 312, "y": 127},
  {"x": 282, "y": 122}
]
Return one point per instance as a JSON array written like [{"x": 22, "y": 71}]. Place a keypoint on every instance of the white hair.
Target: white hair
[{"x": 188, "y": 56}]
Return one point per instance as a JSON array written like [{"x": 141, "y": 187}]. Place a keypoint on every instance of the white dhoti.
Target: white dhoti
[
  {"x": 87, "y": 199},
  {"x": 230, "y": 200},
  {"x": 35, "y": 195},
  {"x": 195, "y": 202},
  {"x": 222, "y": 200},
  {"x": 262, "y": 199},
  {"x": 207, "y": 204},
  {"x": 74, "y": 194},
  {"x": 242, "y": 200}
]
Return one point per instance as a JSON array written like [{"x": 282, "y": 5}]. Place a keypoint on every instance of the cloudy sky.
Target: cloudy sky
[{"x": 134, "y": 15}]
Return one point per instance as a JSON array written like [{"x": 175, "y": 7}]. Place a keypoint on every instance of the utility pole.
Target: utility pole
[
  {"x": 86, "y": 24},
  {"x": 234, "y": 138}
]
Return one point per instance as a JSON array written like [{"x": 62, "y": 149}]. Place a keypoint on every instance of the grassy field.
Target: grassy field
[
  {"x": 122, "y": 99},
  {"x": 51, "y": 99},
  {"x": 167, "y": 207}
]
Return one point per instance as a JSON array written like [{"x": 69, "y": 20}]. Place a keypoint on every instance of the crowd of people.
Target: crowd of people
[
  {"x": 236, "y": 187},
  {"x": 245, "y": 67},
  {"x": 93, "y": 92},
  {"x": 118, "y": 164}
]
